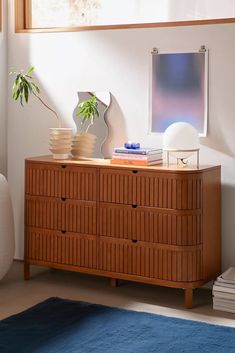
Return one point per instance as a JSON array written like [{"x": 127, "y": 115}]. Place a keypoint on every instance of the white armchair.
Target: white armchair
[{"x": 7, "y": 241}]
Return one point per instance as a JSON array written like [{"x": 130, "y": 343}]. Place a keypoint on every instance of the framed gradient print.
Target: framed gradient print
[{"x": 179, "y": 90}]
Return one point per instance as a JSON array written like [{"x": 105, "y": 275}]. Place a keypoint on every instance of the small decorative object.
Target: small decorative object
[
  {"x": 88, "y": 111},
  {"x": 181, "y": 140},
  {"x": 7, "y": 240},
  {"x": 60, "y": 142},
  {"x": 132, "y": 145},
  {"x": 136, "y": 156},
  {"x": 92, "y": 133},
  {"x": 83, "y": 143},
  {"x": 24, "y": 85}
]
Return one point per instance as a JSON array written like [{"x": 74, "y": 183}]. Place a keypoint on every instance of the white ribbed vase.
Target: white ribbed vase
[
  {"x": 7, "y": 238},
  {"x": 83, "y": 145},
  {"x": 60, "y": 142}
]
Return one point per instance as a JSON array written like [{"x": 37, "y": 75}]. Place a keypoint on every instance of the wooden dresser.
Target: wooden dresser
[{"x": 154, "y": 225}]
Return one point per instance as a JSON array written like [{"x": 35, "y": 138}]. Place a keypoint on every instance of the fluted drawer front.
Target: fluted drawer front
[
  {"x": 66, "y": 215},
  {"x": 153, "y": 189},
  {"x": 150, "y": 260},
  {"x": 60, "y": 180},
  {"x": 150, "y": 224},
  {"x": 56, "y": 247}
]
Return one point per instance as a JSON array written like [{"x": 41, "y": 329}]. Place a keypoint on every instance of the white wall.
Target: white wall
[
  {"x": 119, "y": 61},
  {"x": 3, "y": 91}
]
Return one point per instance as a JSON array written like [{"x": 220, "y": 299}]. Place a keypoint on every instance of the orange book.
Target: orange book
[{"x": 135, "y": 162}]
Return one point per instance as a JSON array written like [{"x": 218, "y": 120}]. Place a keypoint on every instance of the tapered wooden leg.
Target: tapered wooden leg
[
  {"x": 114, "y": 282},
  {"x": 26, "y": 271},
  {"x": 188, "y": 298}
]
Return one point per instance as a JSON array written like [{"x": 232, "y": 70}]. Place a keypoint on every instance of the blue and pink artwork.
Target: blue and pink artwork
[{"x": 179, "y": 90}]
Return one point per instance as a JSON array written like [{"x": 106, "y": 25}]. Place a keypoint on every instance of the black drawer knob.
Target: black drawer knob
[
  {"x": 63, "y": 231},
  {"x": 63, "y": 198},
  {"x": 134, "y": 206},
  {"x": 135, "y": 171},
  {"x": 63, "y": 166},
  {"x": 134, "y": 241}
]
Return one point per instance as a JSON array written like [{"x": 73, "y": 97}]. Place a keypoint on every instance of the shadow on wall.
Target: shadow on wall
[
  {"x": 117, "y": 129},
  {"x": 36, "y": 119},
  {"x": 53, "y": 122},
  {"x": 28, "y": 135},
  {"x": 221, "y": 122},
  {"x": 219, "y": 140},
  {"x": 228, "y": 225}
]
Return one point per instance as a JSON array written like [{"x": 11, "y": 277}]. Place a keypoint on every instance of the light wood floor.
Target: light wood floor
[{"x": 17, "y": 295}]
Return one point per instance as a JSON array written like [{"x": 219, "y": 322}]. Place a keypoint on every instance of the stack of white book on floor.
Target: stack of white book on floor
[{"x": 224, "y": 291}]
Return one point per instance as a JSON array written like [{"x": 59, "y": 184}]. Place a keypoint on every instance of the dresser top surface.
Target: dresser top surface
[{"x": 106, "y": 163}]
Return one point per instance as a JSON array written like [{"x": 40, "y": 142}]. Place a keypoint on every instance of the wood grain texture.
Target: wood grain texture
[
  {"x": 61, "y": 248},
  {"x": 26, "y": 270},
  {"x": 114, "y": 282},
  {"x": 127, "y": 26},
  {"x": 150, "y": 224},
  {"x": 153, "y": 225},
  {"x": 142, "y": 188},
  {"x": 188, "y": 298},
  {"x": 61, "y": 214},
  {"x": 61, "y": 180},
  {"x": 25, "y": 26},
  {"x": 126, "y": 277},
  {"x": 105, "y": 163},
  {"x": 150, "y": 260},
  {"x": 20, "y": 23},
  {"x": 211, "y": 227}
]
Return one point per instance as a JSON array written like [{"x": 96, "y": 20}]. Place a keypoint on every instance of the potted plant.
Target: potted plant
[
  {"x": 84, "y": 142},
  {"x": 88, "y": 111},
  {"x": 23, "y": 87}
]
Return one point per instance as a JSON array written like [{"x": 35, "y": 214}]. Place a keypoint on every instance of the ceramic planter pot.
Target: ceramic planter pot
[
  {"x": 60, "y": 142},
  {"x": 83, "y": 145}
]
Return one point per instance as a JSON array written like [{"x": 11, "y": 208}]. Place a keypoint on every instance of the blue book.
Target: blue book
[{"x": 143, "y": 151}]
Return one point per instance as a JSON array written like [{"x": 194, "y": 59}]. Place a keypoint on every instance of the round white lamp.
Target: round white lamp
[
  {"x": 7, "y": 240},
  {"x": 181, "y": 140}
]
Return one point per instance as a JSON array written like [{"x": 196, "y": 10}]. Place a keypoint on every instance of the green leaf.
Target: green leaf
[
  {"x": 31, "y": 69},
  {"x": 16, "y": 94},
  {"x": 88, "y": 110},
  {"x": 26, "y": 93},
  {"x": 23, "y": 85},
  {"x": 34, "y": 87}
]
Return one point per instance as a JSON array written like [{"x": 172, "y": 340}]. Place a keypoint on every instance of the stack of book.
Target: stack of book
[
  {"x": 139, "y": 156},
  {"x": 224, "y": 291}
]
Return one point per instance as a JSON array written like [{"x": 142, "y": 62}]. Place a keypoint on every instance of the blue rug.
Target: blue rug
[{"x": 66, "y": 326}]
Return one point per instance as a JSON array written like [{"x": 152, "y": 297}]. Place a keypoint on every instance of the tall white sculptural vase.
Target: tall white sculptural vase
[{"x": 7, "y": 240}]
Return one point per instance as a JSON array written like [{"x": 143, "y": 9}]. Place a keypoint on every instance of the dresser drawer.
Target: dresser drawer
[
  {"x": 61, "y": 214},
  {"x": 150, "y": 260},
  {"x": 61, "y": 180},
  {"x": 151, "y": 189},
  {"x": 150, "y": 224},
  {"x": 56, "y": 247}
]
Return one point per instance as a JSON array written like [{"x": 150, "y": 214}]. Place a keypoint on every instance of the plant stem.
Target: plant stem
[
  {"x": 53, "y": 111},
  {"x": 91, "y": 123},
  {"x": 88, "y": 127}
]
